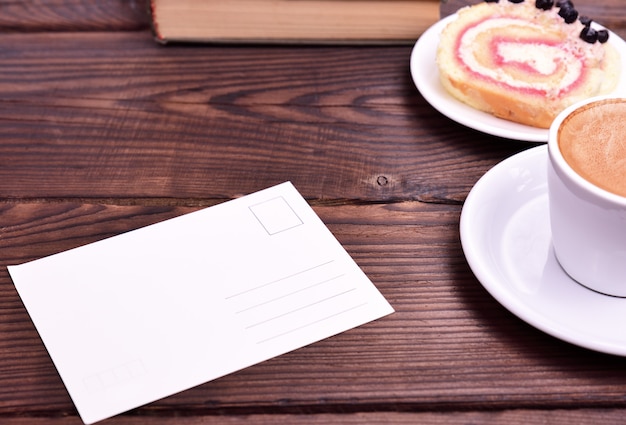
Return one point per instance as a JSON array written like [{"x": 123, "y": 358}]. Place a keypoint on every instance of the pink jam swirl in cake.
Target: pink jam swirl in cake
[{"x": 522, "y": 55}]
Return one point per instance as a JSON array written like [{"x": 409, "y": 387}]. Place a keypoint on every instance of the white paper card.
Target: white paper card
[{"x": 146, "y": 314}]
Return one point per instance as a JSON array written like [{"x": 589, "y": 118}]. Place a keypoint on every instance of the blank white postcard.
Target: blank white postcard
[{"x": 140, "y": 316}]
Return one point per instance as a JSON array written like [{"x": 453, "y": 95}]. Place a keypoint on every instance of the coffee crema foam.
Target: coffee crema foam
[{"x": 592, "y": 141}]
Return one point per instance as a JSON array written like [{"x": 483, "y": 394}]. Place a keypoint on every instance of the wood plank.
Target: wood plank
[
  {"x": 114, "y": 115},
  {"x": 112, "y": 15},
  {"x": 74, "y": 15},
  {"x": 448, "y": 347},
  {"x": 509, "y": 417}
]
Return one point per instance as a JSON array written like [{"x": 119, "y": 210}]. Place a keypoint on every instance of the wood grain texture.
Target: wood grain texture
[
  {"x": 510, "y": 417},
  {"x": 448, "y": 347},
  {"x": 116, "y": 115},
  {"x": 73, "y": 15}
]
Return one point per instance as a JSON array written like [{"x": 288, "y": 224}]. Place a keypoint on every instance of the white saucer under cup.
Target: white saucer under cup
[{"x": 506, "y": 237}]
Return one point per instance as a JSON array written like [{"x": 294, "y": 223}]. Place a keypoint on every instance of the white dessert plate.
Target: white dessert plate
[
  {"x": 505, "y": 234},
  {"x": 425, "y": 75}
]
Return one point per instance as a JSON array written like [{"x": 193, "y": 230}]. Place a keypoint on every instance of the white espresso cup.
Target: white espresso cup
[{"x": 587, "y": 193}]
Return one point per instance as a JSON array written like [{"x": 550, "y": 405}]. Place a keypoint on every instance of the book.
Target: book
[{"x": 292, "y": 21}]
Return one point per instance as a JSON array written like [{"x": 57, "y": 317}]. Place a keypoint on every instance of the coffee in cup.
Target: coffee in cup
[{"x": 592, "y": 139}]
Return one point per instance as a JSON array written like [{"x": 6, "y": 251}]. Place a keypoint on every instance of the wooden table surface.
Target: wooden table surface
[{"x": 102, "y": 131}]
